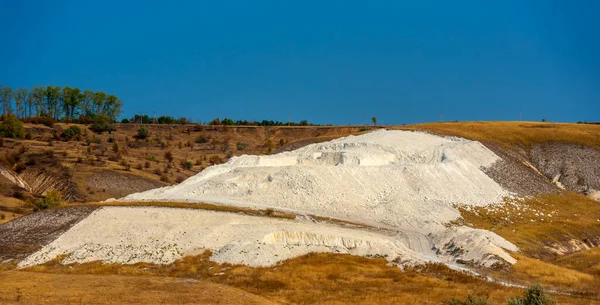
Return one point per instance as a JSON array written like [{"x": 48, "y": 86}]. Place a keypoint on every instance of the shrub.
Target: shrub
[
  {"x": 142, "y": 133},
  {"x": 169, "y": 156},
  {"x": 215, "y": 159},
  {"x": 534, "y": 295},
  {"x": 71, "y": 133},
  {"x": 241, "y": 145},
  {"x": 44, "y": 120},
  {"x": 470, "y": 300},
  {"x": 20, "y": 167},
  {"x": 111, "y": 139},
  {"x": 201, "y": 140},
  {"x": 93, "y": 140},
  {"x": 147, "y": 164},
  {"x": 187, "y": 164},
  {"x": 11, "y": 127},
  {"x": 53, "y": 198},
  {"x": 102, "y": 123},
  {"x": 115, "y": 147},
  {"x": 165, "y": 178}
]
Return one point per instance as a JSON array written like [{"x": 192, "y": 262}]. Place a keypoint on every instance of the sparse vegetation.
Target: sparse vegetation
[
  {"x": 53, "y": 198},
  {"x": 534, "y": 295}
]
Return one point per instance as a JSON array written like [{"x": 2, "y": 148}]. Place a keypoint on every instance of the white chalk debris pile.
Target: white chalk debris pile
[{"x": 403, "y": 185}]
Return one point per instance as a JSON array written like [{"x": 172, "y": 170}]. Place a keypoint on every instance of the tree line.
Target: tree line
[{"x": 66, "y": 103}]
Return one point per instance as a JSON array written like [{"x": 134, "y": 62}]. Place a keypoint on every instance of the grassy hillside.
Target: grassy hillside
[{"x": 521, "y": 134}]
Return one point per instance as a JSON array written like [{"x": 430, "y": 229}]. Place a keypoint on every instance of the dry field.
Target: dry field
[
  {"x": 311, "y": 279},
  {"x": 520, "y": 134}
]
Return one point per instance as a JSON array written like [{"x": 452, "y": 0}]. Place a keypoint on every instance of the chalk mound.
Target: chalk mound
[
  {"x": 383, "y": 178},
  {"x": 401, "y": 186}
]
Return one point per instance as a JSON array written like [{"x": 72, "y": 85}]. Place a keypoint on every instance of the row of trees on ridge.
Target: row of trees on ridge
[{"x": 66, "y": 103}]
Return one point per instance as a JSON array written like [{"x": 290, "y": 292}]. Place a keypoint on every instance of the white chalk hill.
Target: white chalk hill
[{"x": 402, "y": 184}]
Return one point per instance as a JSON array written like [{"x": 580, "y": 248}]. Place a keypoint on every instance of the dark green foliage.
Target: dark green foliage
[
  {"x": 142, "y": 133},
  {"x": 166, "y": 120},
  {"x": 534, "y": 295},
  {"x": 187, "y": 164},
  {"x": 103, "y": 123},
  {"x": 227, "y": 121},
  {"x": 11, "y": 127},
  {"x": 71, "y": 133}
]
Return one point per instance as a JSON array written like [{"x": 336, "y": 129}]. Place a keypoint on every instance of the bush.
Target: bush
[
  {"x": 11, "y": 127},
  {"x": 71, "y": 133},
  {"x": 470, "y": 300},
  {"x": 102, "y": 123},
  {"x": 93, "y": 140},
  {"x": 169, "y": 156},
  {"x": 53, "y": 198},
  {"x": 44, "y": 120},
  {"x": 534, "y": 295},
  {"x": 201, "y": 140},
  {"x": 187, "y": 164},
  {"x": 241, "y": 146},
  {"x": 142, "y": 133},
  {"x": 215, "y": 159}
]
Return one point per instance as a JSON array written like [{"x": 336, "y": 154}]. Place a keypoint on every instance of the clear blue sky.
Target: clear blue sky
[{"x": 324, "y": 61}]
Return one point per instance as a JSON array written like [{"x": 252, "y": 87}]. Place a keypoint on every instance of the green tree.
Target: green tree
[
  {"x": 374, "y": 120},
  {"x": 51, "y": 101},
  {"x": 6, "y": 95},
  {"x": 11, "y": 127},
  {"x": 20, "y": 101},
  {"x": 112, "y": 106},
  {"x": 98, "y": 102},
  {"x": 38, "y": 94},
  {"x": 29, "y": 103},
  {"x": 87, "y": 103},
  {"x": 71, "y": 100}
]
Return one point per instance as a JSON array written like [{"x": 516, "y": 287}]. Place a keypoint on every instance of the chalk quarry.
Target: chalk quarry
[{"x": 401, "y": 187}]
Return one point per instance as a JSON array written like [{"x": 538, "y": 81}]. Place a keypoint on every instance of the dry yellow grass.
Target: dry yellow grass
[
  {"x": 529, "y": 270},
  {"x": 515, "y": 133},
  {"x": 43, "y": 288},
  {"x": 540, "y": 222},
  {"x": 587, "y": 261},
  {"x": 311, "y": 279}
]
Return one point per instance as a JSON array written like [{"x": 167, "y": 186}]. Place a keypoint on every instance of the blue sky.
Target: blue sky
[{"x": 324, "y": 61}]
